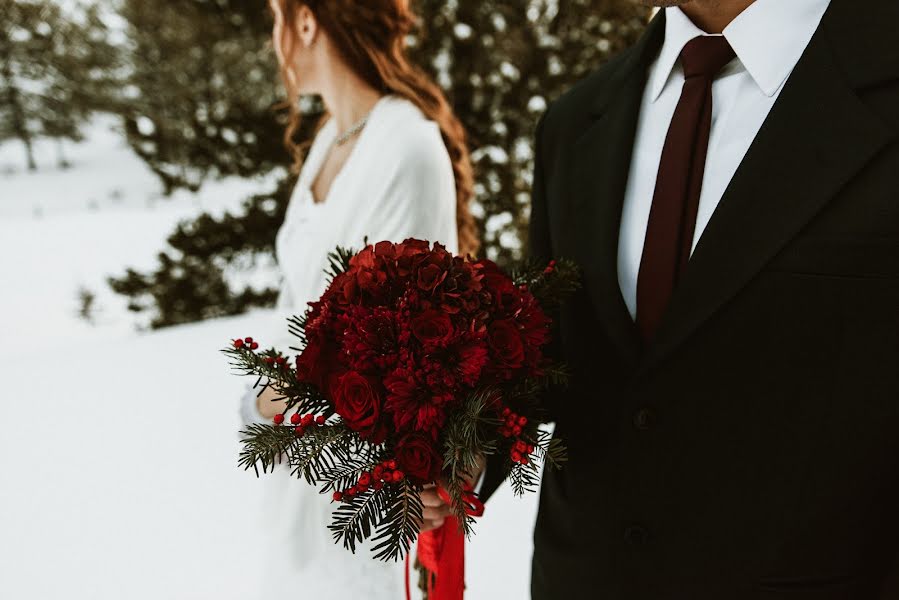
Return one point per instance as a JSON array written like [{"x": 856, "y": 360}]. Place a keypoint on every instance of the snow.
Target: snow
[{"x": 118, "y": 476}]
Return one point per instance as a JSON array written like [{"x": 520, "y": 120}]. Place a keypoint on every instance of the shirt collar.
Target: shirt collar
[{"x": 768, "y": 37}]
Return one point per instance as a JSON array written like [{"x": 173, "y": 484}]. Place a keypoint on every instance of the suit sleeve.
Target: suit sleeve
[{"x": 538, "y": 248}]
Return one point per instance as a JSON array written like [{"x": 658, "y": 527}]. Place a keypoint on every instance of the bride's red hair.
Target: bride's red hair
[{"x": 371, "y": 35}]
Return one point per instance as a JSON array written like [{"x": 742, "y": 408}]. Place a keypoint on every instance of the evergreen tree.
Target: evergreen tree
[
  {"x": 501, "y": 63},
  {"x": 202, "y": 89},
  {"x": 56, "y": 68}
]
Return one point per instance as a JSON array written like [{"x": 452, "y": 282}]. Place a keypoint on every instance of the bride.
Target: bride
[{"x": 389, "y": 162}]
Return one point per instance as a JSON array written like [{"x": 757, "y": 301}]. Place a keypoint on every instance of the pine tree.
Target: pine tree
[
  {"x": 501, "y": 63},
  {"x": 202, "y": 90},
  {"x": 56, "y": 68}
]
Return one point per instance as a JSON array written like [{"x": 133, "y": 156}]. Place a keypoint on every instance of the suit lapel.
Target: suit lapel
[
  {"x": 599, "y": 167},
  {"x": 817, "y": 137}
]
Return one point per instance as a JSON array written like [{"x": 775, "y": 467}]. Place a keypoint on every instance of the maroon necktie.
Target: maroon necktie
[{"x": 672, "y": 220}]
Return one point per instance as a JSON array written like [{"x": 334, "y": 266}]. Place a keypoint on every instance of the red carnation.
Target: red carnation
[
  {"x": 417, "y": 458},
  {"x": 358, "y": 401}
]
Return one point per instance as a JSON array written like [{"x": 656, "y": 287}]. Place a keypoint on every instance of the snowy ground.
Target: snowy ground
[{"x": 118, "y": 452}]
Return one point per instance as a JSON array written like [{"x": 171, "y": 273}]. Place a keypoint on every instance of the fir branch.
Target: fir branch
[
  {"x": 338, "y": 262},
  {"x": 345, "y": 474},
  {"x": 550, "y": 286},
  {"x": 554, "y": 375},
  {"x": 355, "y": 519},
  {"x": 401, "y": 524},
  {"x": 469, "y": 435},
  {"x": 550, "y": 450},
  {"x": 264, "y": 446},
  {"x": 296, "y": 326},
  {"x": 524, "y": 479},
  {"x": 299, "y": 396},
  {"x": 320, "y": 449}
]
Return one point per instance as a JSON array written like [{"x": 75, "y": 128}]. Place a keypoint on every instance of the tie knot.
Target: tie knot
[{"x": 705, "y": 55}]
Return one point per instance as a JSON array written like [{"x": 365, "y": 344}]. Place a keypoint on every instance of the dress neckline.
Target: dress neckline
[{"x": 323, "y": 144}]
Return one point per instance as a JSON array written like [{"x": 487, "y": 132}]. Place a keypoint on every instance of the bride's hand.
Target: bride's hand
[
  {"x": 269, "y": 404},
  {"x": 435, "y": 509}
]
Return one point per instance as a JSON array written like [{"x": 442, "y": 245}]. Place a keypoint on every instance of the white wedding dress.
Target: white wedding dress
[{"x": 397, "y": 183}]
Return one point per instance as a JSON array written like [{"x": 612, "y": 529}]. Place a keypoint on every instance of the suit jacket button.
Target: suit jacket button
[
  {"x": 643, "y": 419},
  {"x": 636, "y": 535}
]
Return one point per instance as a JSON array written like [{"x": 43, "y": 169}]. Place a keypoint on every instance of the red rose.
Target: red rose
[
  {"x": 505, "y": 343},
  {"x": 432, "y": 327},
  {"x": 429, "y": 277},
  {"x": 358, "y": 401},
  {"x": 417, "y": 458}
]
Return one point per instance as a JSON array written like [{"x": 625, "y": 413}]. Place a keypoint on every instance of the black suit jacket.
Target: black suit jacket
[{"x": 752, "y": 452}]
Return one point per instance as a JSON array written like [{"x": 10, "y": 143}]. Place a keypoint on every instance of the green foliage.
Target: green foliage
[
  {"x": 202, "y": 90},
  {"x": 469, "y": 434},
  {"x": 191, "y": 283},
  {"x": 56, "y": 69},
  {"x": 401, "y": 523},
  {"x": 549, "y": 283}
]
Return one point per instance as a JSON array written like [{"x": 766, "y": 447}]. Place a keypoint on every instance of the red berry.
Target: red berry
[
  {"x": 378, "y": 471},
  {"x": 352, "y": 491},
  {"x": 365, "y": 479},
  {"x": 269, "y": 360},
  {"x": 308, "y": 420},
  {"x": 516, "y": 456},
  {"x": 391, "y": 464},
  {"x": 338, "y": 496},
  {"x": 522, "y": 421},
  {"x": 320, "y": 419},
  {"x": 505, "y": 432},
  {"x": 516, "y": 431},
  {"x": 530, "y": 448},
  {"x": 238, "y": 343},
  {"x": 397, "y": 476},
  {"x": 254, "y": 346},
  {"x": 521, "y": 446},
  {"x": 279, "y": 419},
  {"x": 295, "y": 419},
  {"x": 363, "y": 488},
  {"x": 506, "y": 411},
  {"x": 249, "y": 340},
  {"x": 300, "y": 430},
  {"x": 280, "y": 360},
  {"x": 524, "y": 460},
  {"x": 378, "y": 485}
]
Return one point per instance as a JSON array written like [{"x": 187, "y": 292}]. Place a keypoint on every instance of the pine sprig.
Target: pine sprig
[
  {"x": 401, "y": 524},
  {"x": 339, "y": 262},
  {"x": 550, "y": 449},
  {"x": 299, "y": 396},
  {"x": 265, "y": 446},
  {"x": 524, "y": 479},
  {"x": 467, "y": 438},
  {"x": 552, "y": 285},
  {"x": 345, "y": 474},
  {"x": 355, "y": 519},
  {"x": 320, "y": 449}
]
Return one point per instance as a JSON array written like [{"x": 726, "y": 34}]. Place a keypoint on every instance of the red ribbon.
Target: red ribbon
[{"x": 441, "y": 552}]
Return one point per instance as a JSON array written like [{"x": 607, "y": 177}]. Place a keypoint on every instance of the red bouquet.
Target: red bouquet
[{"x": 412, "y": 365}]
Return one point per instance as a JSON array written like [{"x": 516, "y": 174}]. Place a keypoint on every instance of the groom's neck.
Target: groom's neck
[{"x": 712, "y": 16}]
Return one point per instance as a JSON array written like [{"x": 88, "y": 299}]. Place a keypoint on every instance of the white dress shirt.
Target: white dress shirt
[{"x": 769, "y": 38}]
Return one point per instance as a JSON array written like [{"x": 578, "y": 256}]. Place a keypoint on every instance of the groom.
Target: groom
[{"x": 733, "y": 421}]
